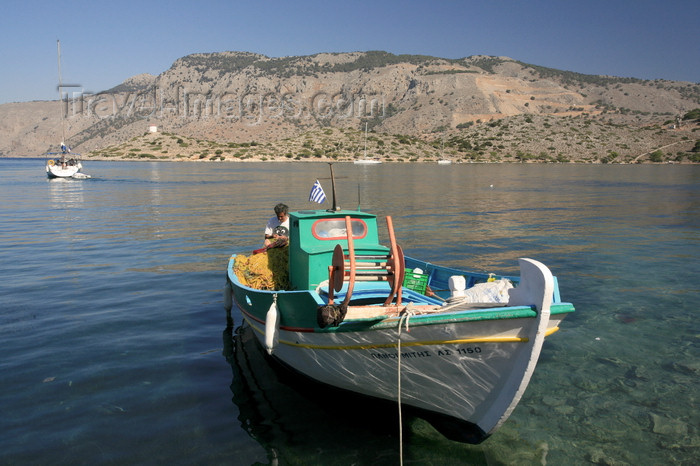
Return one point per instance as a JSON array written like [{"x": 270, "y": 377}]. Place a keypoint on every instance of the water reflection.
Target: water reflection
[
  {"x": 65, "y": 193},
  {"x": 295, "y": 419}
]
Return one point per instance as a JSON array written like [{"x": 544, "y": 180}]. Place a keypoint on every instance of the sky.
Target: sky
[{"x": 104, "y": 43}]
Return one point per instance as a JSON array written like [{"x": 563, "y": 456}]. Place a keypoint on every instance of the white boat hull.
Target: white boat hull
[
  {"x": 468, "y": 373},
  {"x": 58, "y": 170},
  {"x": 367, "y": 162}
]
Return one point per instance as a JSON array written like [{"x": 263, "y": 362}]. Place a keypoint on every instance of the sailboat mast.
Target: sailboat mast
[
  {"x": 60, "y": 93},
  {"x": 365, "y": 139}
]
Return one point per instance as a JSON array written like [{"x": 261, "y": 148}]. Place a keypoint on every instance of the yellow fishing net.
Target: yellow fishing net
[{"x": 268, "y": 270}]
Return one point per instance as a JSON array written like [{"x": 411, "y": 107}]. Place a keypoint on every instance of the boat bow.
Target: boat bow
[{"x": 536, "y": 288}]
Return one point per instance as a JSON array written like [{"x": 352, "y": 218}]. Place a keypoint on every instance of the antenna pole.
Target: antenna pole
[{"x": 335, "y": 205}]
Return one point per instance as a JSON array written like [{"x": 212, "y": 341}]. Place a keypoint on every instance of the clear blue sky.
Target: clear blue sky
[{"x": 103, "y": 43}]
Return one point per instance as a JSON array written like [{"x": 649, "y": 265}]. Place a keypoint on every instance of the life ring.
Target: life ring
[{"x": 50, "y": 162}]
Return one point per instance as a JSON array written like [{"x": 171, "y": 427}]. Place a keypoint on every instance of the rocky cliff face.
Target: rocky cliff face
[{"x": 239, "y": 97}]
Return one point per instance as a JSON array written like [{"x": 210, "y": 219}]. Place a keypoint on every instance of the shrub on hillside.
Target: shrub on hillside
[{"x": 692, "y": 115}]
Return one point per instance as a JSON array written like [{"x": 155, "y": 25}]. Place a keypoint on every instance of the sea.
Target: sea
[{"x": 116, "y": 348}]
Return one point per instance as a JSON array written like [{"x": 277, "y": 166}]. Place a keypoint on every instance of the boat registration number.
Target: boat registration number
[{"x": 443, "y": 352}]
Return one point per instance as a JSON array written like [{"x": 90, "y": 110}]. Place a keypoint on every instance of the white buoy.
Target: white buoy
[
  {"x": 272, "y": 327},
  {"x": 228, "y": 301}
]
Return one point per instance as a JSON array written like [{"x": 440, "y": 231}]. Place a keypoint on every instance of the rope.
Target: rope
[{"x": 406, "y": 314}]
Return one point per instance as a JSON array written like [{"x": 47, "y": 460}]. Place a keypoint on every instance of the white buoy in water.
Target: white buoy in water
[{"x": 272, "y": 328}]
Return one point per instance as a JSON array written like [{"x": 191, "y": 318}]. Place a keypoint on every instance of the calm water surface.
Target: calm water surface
[{"x": 116, "y": 347}]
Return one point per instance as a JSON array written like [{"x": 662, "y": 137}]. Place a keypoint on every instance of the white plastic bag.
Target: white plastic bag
[{"x": 489, "y": 292}]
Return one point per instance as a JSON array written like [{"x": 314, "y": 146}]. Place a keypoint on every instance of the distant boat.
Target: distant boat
[
  {"x": 443, "y": 160},
  {"x": 63, "y": 164},
  {"x": 365, "y": 160}
]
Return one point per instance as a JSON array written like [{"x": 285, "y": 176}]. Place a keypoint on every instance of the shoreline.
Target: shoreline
[
  {"x": 387, "y": 162},
  {"x": 515, "y": 140}
]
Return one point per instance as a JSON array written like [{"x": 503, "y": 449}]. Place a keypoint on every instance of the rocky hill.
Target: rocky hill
[{"x": 244, "y": 106}]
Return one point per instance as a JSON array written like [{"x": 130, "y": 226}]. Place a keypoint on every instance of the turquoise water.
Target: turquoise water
[{"x": 116, "y": 347}]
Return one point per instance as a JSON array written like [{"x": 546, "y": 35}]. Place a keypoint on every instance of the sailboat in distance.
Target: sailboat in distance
[
  {"x": 365, "y": 160},
  {"x": 63, "y": 164}
]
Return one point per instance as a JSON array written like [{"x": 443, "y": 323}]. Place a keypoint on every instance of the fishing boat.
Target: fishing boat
[
  {"x": 456, "y": 347},
  {"x": 63, "y": 164}
]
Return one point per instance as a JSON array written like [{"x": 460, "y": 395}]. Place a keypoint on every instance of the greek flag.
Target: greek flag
[{"x": 317, "y": 195}]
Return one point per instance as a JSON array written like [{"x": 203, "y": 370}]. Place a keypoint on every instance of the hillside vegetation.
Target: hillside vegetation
[{"x": 512, "y": 139}]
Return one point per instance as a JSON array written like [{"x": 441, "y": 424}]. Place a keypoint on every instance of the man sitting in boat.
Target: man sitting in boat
[{"x": 277, "y": 228}]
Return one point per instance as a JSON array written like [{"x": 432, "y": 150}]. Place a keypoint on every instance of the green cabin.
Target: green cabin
[{"x": 315, "y": 233}]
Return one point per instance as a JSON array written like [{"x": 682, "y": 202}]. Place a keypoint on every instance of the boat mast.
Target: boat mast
[
  {"x": 365, "y": 139},
  {"x": 60, "y": 95}
]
